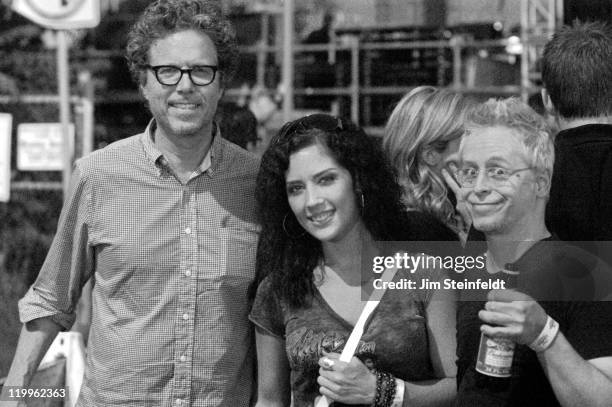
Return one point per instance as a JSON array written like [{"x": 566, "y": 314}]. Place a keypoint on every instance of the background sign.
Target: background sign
[
  {"x": 40, "y": 146},
  {"x": 60, "y": 14},
  {"x": 6, "y": 123}
]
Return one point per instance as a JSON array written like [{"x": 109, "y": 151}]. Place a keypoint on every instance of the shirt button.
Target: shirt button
[
  {"x": 183, "y": 358},
  {"x": 188, "y": 273},
  {"x": 185, "y": 316},
  {"x": 188, "y": 231}
]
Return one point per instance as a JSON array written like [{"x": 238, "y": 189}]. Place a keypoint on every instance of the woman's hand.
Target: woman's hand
[
  {"x": 349, "y": 383},
  {"x": 464, "y": 220}
]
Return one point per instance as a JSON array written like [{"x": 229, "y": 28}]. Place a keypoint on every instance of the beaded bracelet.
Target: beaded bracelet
[
  {"x": 379, "y": 380},
  {"x": 390, "y": 391},
  {"x": 385, "y": 390}
]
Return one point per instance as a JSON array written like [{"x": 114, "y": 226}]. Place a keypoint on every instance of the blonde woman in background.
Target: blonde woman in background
[{"x": 421, "y": 139}]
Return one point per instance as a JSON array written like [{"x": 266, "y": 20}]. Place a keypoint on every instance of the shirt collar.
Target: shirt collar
[
  {"x": 532, "y": 255},
  {"x": 155, "y": 155}
]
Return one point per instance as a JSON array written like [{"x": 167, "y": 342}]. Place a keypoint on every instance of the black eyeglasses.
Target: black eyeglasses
[
  {"x": 498, "y": 176},
  {"x": 319, "y": 121},
  {"x": 170, "y": 75}
]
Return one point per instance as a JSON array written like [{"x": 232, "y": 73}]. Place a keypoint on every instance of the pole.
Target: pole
[
  {"x": 355, "y": 79},
  {"x": 287, "y": 69},
  {"x": 456, "y": 43},
  {"x": 262, "y": 51},
  {"x": 87, "y": 111},
  {"x": 64, "y": 105},
  {"x": 525, "y": 40}
]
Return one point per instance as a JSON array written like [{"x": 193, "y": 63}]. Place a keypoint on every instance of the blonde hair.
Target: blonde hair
[
  {"x": 533, "y": 131},
  {"x": 425, "y": 119}
]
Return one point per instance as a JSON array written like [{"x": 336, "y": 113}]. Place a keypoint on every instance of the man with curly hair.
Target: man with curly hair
[{"x": 164, "y": 222}]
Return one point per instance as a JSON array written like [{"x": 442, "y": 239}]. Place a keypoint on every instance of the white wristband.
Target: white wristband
[
  {"x": 547, "y": 336},
  {"x": 398, "y": 400}
]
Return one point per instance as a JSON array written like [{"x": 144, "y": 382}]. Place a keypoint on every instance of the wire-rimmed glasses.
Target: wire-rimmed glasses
[{"x": 467, "y": 176}]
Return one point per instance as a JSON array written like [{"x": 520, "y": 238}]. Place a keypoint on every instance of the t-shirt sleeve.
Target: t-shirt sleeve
[
  {"x": 590, "y": 328},
  {"x": 267, "y": 312}
]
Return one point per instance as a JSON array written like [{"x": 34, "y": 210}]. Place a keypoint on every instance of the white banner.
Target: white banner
[
  {"x": 40, "y": 146},
  {"x": 6, "y": 126}
]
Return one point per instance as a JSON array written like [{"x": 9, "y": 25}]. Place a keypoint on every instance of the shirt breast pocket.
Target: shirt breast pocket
[{"x": 240, "y": 246}]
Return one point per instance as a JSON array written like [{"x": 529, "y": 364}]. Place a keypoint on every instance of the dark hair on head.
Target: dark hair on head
[
  {"x": 165, "y": 17},
  {"x": 577, "y": 70},
  {"x": 238, "y": 124},
  {"x": 290, "y": 260}
]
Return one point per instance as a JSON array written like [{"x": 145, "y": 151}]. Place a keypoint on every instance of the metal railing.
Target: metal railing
[
  {"x": 358, "y": 57},
  {"x": 358, "y": 87}
]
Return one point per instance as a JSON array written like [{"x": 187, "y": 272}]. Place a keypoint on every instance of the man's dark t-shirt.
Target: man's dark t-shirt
[
  {"x": 580, "y": 204},
  {"x": 587, "y": 325}
]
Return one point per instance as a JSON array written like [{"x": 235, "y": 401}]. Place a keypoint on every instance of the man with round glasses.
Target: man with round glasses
[
  {"x": 563, "y": 352},
  {"x": 165, "y": 224}
]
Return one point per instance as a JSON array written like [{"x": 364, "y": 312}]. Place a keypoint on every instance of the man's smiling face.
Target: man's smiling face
[
  {"x": 498, "y": 207},
  {"x": 184, "y": 109}
]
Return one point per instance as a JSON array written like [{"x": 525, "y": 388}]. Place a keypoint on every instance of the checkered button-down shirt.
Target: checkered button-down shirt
[{"x": 171, "y": 263}]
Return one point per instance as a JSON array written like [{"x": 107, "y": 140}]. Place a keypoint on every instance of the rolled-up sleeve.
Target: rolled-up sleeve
[{"x": 69, "y": 263}]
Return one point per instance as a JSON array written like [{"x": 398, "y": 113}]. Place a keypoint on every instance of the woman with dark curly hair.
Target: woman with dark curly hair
[{"x": 326, "y": 195}]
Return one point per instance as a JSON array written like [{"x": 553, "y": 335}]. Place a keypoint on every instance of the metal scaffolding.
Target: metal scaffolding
[
  {"x": 355, "y": 92},
  {"x": 539, "y": 19}
]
